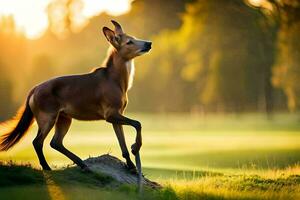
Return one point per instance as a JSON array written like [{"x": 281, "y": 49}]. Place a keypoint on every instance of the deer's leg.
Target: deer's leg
[
  {"x": 61, "y": 128},
  {"x": 122, "y": 120},
  {"x": 45, "y": 123},
  {"x": 121, "y": 138}
]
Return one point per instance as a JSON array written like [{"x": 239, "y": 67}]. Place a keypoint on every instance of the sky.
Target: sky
[{"x": 31, "y": 18}]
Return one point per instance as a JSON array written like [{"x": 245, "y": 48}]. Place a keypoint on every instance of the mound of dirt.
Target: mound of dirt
[{"x": 115, "y": 168}]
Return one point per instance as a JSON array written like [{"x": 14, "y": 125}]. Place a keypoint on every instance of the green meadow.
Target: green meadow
[{"x": 245, "y": 156}]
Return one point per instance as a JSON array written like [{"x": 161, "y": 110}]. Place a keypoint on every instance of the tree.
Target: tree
[
  {"x": 220, "y": 59},
  {"x": 13, "y": 62},
  {"x": 286, "y": 74},
  {"x": 6, "y": 94},
  {"x": 64, "y": 16},
  {"x": 226, "y": 54}
]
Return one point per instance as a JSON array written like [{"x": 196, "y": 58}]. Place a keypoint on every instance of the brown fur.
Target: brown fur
[
  {"x": 98, "y": 95},
  {"x": 15, "y": 128}
]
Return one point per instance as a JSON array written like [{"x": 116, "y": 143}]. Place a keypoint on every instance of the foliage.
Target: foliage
[
  {"x": 13, "y": 60},
  {"x": 207, "y": 55},
  {"x": 220, "y": 59},
  {"x": 286, "y": 71},
  {"x": 63, "y": 16}
]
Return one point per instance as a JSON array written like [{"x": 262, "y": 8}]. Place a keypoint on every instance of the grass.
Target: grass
[
  {"x": 22, "y": 181},
  {"x": 25, "y": 182},
  {"x": 194, "y": 157}
]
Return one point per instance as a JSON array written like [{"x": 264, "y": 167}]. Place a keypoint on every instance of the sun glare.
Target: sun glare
[
  {"x": 256, "y": 2},
  {"x": 30, "y": 15}
]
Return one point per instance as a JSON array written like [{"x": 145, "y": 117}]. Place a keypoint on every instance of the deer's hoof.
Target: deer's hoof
[
  {"x": 132, "y": 170},
  {"x": 46, "y": 168}
]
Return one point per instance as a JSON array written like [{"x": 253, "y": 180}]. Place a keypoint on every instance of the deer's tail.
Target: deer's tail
[{"x": 14, "y": 129}]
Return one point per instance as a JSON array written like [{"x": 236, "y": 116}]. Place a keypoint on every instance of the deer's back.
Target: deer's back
[{"x": 84, "y": 97}]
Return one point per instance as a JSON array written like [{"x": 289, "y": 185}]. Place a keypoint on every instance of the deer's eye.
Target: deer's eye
[{"x": 129, "y": 42}]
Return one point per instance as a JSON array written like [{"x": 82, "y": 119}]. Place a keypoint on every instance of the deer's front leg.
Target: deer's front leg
[
  {"x": 121, "y": 139},
  {"x": 122, "y": 120}
]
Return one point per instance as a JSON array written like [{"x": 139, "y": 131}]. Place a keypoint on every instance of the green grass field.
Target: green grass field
[{"x": 194, "y": 157}]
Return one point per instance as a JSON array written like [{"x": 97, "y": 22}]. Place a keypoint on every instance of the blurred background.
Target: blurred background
[
  {"x": 208, "y": 55},
  {"x": 219, "y": 89}
]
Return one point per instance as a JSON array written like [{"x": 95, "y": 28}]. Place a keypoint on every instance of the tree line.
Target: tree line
[{"x": 207, "y": 56}]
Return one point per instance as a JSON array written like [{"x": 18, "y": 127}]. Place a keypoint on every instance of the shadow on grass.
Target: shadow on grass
[
  {"x": 21, "y": 181},
  {"x": 12, "y": 174},
  {"x": 25, "y": 182}
]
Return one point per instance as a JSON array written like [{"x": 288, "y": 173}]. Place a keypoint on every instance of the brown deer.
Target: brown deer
[{"x": 98, "y": 95}]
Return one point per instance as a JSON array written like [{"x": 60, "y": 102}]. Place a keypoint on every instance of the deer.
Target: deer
[{"x": 101, "y": 94}]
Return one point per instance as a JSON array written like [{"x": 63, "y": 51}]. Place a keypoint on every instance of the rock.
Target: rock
[{"x": 115, "y": 168}]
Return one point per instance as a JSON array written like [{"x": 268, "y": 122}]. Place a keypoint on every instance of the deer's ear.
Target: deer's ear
[
  {"x": 118, "y": 27},
  {"x": 109, "y": 34}
]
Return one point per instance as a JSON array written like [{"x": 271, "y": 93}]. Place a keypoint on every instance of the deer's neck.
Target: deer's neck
[
  {"x": 130, "y": 71},
  {"x": 120, "y": 69}
]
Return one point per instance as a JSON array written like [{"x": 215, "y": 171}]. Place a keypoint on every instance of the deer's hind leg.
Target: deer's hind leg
[
  {"x": 62, "y": 126},
  {"x": 45, "y": 123}
]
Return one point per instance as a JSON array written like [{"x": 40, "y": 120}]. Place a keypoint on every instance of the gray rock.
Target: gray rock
[{"x": 115, "y": 168}]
